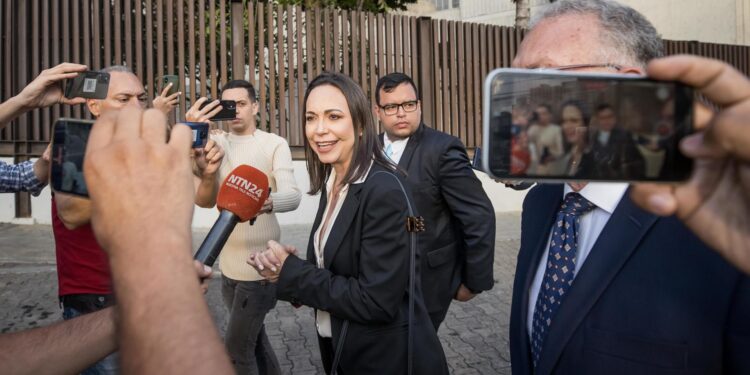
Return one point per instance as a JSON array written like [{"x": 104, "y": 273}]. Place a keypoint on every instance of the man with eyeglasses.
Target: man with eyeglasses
[
  {"x": 602, "y": 286},
  {"x": 458, "y": 245}
]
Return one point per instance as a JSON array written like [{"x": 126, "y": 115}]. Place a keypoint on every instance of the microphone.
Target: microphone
[{"x": 240, "y": 197}]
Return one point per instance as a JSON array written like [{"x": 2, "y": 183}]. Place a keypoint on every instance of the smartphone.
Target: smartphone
[
  {"x": 89, "y": 85},
  {"x": 69, "y": 138},
  {"x": 545, "y": 125},
  {"x": 200, "y": 133},
  {"x": 167, "y": 79},
  {"x": 228, "y": 110}
]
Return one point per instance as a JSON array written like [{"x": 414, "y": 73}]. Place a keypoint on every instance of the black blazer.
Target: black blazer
[
  {"x": 365, "y": 281},
  {"x": 617, "y": 158},
  {"x": 650, "y": 299},
  {"x": 459, "y": 239}
]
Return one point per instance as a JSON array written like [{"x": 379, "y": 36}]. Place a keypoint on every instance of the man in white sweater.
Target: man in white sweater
[{"x": 247, "y": 295}]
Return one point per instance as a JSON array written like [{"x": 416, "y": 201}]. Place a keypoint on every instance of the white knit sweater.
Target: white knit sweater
[{"x": 270, "y": 154}]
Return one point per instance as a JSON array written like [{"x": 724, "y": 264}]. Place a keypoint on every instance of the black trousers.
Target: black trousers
[{"x": 326, "y": 353}]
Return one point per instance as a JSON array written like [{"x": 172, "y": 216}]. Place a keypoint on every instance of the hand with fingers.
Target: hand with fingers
[
  {"x": 41, "y": 166},
  {"x": 165, "y": 102},
  {"x": 208, "y": 159},
  {"x": 270, "y": 261},
  {"x": 266, "y": 208},
  {"x": 152, "y": 165},
  {"x": 204, "y": 274},
  {"x": 46, "y": 89},
  {"x": 715, "y": 202},
  {"x": 198, "y": 114},
  {"x": 141, "y": 191}
]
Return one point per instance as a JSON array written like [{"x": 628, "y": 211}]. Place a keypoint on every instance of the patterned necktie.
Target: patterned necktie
[{"x": 560, "y": 270}]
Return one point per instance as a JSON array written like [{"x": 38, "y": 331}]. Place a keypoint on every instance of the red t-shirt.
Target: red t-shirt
[{"x": 82, "y": 266}]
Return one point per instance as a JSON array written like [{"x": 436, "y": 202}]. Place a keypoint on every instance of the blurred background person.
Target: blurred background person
[
  {"x": 574, "y": 123},
  {"x": 546, "y": 140},
  {"x": 520, "y": 154},
  {"x": 613, "y": 151}
]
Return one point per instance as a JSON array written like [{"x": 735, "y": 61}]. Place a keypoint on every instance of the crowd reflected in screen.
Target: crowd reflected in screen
[
  {"x": 70, "y": 140},
  {"x": 588, "y": 128}
]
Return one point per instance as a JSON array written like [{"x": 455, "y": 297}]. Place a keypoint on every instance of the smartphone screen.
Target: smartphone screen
[
  {"x": 69, "y": 140},
  {"x": 228, "y": 110},
  {"x": 546, "y": 125}
]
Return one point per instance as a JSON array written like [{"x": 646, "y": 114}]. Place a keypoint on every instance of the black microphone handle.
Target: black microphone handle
[{"x": 216, "y": 238}]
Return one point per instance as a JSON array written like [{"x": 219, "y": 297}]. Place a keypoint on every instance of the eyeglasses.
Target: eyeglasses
[
  {"x": 584, "y": 66},
  {"x": 392, "y": 109}
]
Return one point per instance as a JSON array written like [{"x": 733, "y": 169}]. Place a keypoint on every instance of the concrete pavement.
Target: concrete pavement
[{"x": 474, "y": 334}]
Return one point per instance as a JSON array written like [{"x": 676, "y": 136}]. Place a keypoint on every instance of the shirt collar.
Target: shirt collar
[
  {"x": 332, "y": 177},
  {"x": 364, "y": 176},
  {"x": 387, "y": 140},
  {"x": 605, "y": 195}
]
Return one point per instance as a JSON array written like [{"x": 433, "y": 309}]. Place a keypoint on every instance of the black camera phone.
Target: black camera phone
[
  {"x": 69, "y": 138},
  {"x": 88, "y": 85},
  {"x": 228, "y": 110},
  {"x": 545, "y": 125}
]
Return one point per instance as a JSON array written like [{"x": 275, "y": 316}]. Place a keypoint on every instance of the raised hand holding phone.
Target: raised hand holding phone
[
  {"x": 203, "y": 110},
  {"x": 169, "y": 97},
  {"x": 715, "y": 202},
  {"x": 46, "y": 89}
]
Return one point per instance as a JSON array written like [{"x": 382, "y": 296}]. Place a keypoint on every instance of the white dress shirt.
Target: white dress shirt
[
  {"x": 323, "y": 318},
  {"x": 606, "y": 197},
  {"x": 396, "y": 148}
]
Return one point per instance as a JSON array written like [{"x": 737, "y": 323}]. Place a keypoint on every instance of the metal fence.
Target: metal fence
[{"x": 277, "y": 48}]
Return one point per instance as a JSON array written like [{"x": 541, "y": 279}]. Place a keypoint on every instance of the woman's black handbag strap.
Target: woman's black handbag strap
[{"x": 414, "y": 224}]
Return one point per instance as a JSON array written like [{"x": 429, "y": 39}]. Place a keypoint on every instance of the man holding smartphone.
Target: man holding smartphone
[
  {"x": 601, "y": 286},
  {"x": 247, "y": 295},
  {"x": 84, "y": 278}
]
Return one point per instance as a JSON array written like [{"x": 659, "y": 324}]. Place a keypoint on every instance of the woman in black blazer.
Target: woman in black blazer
[{"x": 358, "y": 256}]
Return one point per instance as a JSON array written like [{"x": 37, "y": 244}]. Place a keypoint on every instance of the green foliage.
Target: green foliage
[{"x": 378, "y": 6}]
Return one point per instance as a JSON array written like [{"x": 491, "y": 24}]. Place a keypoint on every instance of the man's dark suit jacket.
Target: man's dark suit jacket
[
  {"x": 650, "y": 299},
  {"x": 617, "y": 159},
  {"x": 365, "y": 281},
  {"x": 459, "y": 238}
]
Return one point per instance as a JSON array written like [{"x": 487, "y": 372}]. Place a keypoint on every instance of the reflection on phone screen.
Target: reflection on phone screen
[
  {"x": 69, "y": 147},
  {"x": 588, "y": 128}
]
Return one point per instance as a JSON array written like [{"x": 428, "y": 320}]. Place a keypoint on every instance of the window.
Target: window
[{"x": 446, "y": 4}]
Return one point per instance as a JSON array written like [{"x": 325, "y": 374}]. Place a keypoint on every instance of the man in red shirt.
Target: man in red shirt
[{"x": 84, "y": 279}]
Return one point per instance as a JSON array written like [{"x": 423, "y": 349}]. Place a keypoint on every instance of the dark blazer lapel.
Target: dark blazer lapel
[
  {"x": 619, "y": 239},
  {"x": 316, "y": 224},
  {"x": 343, "y": 221},
  {"x": 411, "y": 146},
  {"x": 544, "y": 211}
]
